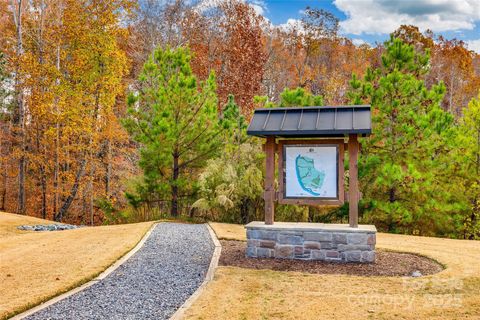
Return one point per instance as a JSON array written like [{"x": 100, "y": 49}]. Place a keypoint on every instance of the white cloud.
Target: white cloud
[
  {"x": 291, "y": 25},
  {"x": 474, "y": 45},
  {"x": 258, "y": 9},
  {"x": 206, "y": 5},
  {"x": 384, "y": 16},
  {"x": 358, "y": 42},
  {"x": 259, "y": 6}
]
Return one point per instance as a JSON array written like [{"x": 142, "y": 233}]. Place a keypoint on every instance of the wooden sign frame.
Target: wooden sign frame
[{"x": 281, "y": 198}]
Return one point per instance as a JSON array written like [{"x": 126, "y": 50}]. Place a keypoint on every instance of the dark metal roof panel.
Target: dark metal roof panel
[{"x": 311, "y": 121}]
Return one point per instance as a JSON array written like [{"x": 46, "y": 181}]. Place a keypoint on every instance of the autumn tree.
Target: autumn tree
[
  {"x": 411, "y": 35},
  {"x": 280, "y": 72},
  {"x": 452, "y": 63},
  {"x": 154, "y": 24},
  {"x": 229, "y": 41},
  {"x": 90, "y": 80},
  {"x": 312, "y": 55},
  {"x": 174, "y": 119},
  {"x": 320, "y": 39},
  {"x": 67, "y": 72}
]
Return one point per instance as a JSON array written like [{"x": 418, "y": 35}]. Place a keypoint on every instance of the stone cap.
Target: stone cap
[{"x": 308, "y": 226}]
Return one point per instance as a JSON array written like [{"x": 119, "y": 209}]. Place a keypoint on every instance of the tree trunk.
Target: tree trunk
[
  {"x": 244, "y": 206},
  {"x": 4, "y": 187},
  {"x": 391, "y": 196},
  {"x": 174, "y": 186},
  {"x": 43, "y": 182},
  {"x": 55, "y": 177},
  {"x": 90, "y": 189},
  {"x": 56, "y": 166},
  {"x": 21, "y": 171},
  {"x": 43, "y": 177},
  {"x": 450, "y": 98},
  {"x": 311, "y": 214},
  {"x": 73, "y": 192},
  {"x": 473, "y": 219},
  {"x": 19, "y": 116},
  {"x": 476, "y": 207},
  {"x": 108, "y": 168},
  {"x": 4, "y": 150}
]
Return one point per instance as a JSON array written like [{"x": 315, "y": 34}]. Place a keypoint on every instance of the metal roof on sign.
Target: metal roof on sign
[{"x": 311, "y": 121}]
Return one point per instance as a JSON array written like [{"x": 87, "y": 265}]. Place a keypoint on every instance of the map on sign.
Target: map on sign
[{"x": 311, "y": 171}]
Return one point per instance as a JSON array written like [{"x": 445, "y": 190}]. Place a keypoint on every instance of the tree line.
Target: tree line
[{"x": 124, "y": 110}]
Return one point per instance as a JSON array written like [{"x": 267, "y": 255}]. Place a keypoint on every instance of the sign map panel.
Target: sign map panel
[{"x": 311, "y": 171}]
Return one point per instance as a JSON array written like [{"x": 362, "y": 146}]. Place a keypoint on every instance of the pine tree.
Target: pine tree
[
  {"x": 403, "y": 162},
  {"x": 297, "y": 97},
  {"x": 468, "y": 157},
  {"x": 233, "y": 123},
  {"x": 174, "y": 119}
]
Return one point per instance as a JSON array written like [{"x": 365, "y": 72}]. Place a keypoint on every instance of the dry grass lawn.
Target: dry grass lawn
[
  {"x": 454, "y": 293},
  {"x": 35, "y": 266},
  {"x": 228, "y": 231}
]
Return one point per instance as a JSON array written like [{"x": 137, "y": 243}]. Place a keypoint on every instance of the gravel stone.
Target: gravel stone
[
  {"x": 48, "y": 227},
  {"x": 152, "y": 284},
  {"x": 416, "y": 274}
]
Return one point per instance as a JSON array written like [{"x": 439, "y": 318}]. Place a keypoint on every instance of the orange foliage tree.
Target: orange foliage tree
[
  {"x": 230, "y": 41},
  {"x": 69, "y": 73},
  {"x": 451, "y": 62}
]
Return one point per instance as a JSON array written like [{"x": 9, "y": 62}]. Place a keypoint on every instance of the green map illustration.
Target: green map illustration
[{"x": 308, "y": 177}]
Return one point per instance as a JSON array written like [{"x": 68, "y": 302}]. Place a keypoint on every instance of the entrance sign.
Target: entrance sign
[
  {"x": 310, "y": 143},
  {"x": 311, "y": 171}
]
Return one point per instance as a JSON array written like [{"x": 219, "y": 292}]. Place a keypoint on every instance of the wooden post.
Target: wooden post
[
  {"x": 353, "y": 193},
  {"x": 269, "y": 194}
]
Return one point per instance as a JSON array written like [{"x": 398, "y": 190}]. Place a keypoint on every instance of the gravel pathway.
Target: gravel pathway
[{"x": 152, "y": 284}]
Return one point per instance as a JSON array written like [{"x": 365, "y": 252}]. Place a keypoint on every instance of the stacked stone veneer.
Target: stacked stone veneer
[{"x": 311, "y": 242}]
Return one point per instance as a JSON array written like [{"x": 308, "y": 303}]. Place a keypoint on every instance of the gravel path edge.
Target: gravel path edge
[
  {"x": 84, "y": 286},
  {"x": 180, "y": 313}
]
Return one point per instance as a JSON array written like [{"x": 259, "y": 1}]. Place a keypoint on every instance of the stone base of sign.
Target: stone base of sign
[{"x": 311, "y": 241}]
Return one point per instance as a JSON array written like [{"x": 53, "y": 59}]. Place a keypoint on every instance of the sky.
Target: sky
[{"x": 372, "y": 21}]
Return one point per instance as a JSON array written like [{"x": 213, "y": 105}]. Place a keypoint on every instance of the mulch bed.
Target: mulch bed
[{"x": 386, "y": 263}]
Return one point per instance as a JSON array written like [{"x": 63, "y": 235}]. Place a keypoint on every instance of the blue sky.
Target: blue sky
[{"x": 372, "y": 20}]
